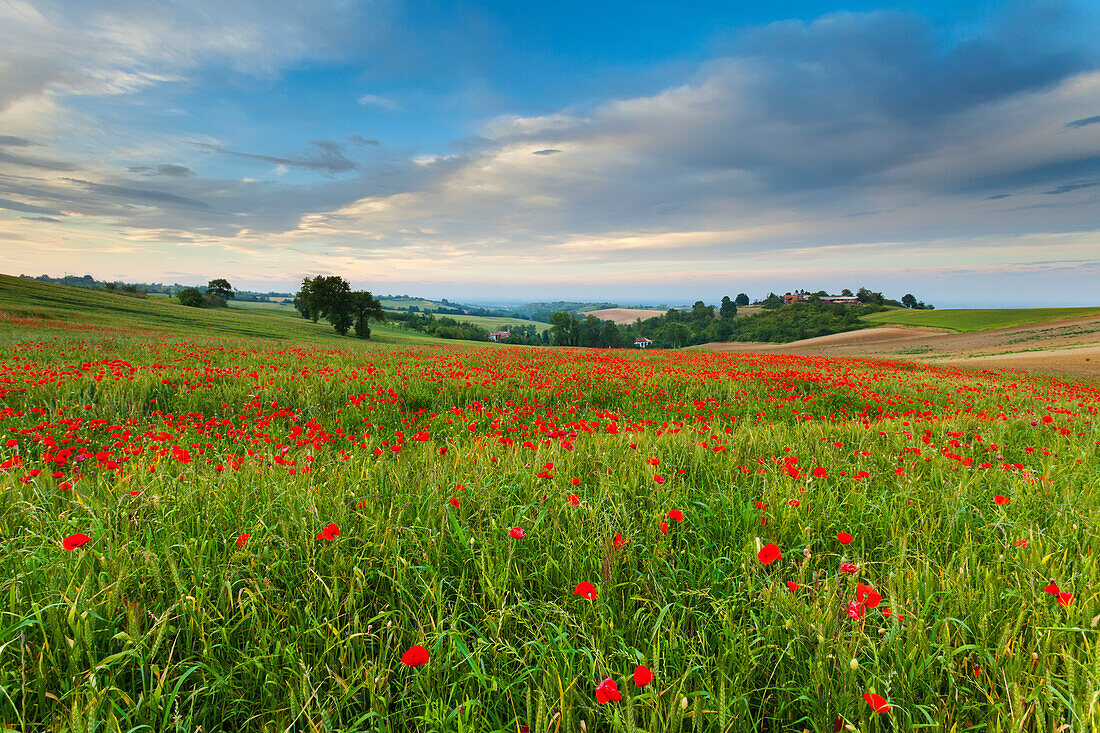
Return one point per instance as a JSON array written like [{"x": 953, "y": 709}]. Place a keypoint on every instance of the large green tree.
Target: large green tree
[
  {"x": 221, "y": 288},
  {"x": 365, "y": 308},
  {"x": 728, "y": 309}
]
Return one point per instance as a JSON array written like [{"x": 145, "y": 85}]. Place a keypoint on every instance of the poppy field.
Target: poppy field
[{"x": 250, "y": 535}]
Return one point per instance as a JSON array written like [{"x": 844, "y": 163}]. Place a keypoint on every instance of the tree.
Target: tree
[
  {"x": 191, "y": 297},
  {"x": 564, "y": 329},
  {"x": 728, "y": 309},
  {"x": 909, "y": 300},
  {"x": 677, "y": 334},
  {"x": 328, "y": 297},
  {"x": 846, "y": 293},
  {"x": 742, "y": 299},
  {"x": 610, "y": 337},
  {"x": 772, "y": 301},
  {"x": 221, "y": 288},
  {"x": 364, "y": 309}
]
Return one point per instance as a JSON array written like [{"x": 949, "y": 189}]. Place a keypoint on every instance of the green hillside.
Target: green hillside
[
  {"x": 978, "y": 319},
  {"x": 26, "y": 298}
]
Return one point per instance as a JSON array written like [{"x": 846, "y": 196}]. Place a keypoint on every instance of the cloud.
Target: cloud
[
  {"x": 376, "y": 100},
  {"x": 547, "y": 151},
  {"x": 1075, "y": 186},
  {"x": 15, "y": 142},
  {"x": 172, "y": 171},
  {"x": 1083, "y": 122},
  {"x": 328, "y": 157}
]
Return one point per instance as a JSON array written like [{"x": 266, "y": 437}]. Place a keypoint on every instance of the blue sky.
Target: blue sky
[{"x": 632, "y": 152}]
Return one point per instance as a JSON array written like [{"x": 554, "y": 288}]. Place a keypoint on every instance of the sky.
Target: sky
[{"x": 634, "y": 152}]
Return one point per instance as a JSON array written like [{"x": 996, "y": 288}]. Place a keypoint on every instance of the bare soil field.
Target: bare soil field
[
  {"x": 624, "y": 315},
  {"x": 1062, "y": 348}
]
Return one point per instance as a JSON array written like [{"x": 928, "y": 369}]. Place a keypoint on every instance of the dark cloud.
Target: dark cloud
[
  {"x": 329, "y": 157},
  {"x": 35, "y": 162},
  {"x": 547, "y": 151},
  {"x": 360, "y": 140},
  {"x": 1068, "y": 187},
  {"x": 26, "y": 208},
  {"x": 172, "y": 171},
  {"x": 15, "y": 142},
  {"x": 1083, "y": 122},
  {"x": 143, "y": 195},
  {"x": 41, "y": 218}
]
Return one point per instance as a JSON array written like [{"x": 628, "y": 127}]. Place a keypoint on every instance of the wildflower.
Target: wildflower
[
  {"x": 659, "y": 479},
  {"x": 1064, "y": 599},
  {"x": 820, "y": 472},
  {"x": 793, "y": 502},
  {"x": 455, "y": 503},
  {"x": 416, "y": 656},
  {"x": 574, "y": 500},
  {"x": 844, "y": 538},
  {"x": 619, "y": 539},
  {"x": 1052, "y": 589},
  {"x": 676, "y": 515},
  {"x": 855, "y": 610},
  {"x": 1001, "y": 499},
  {"x": 242, "y": 540},
  {"x": 868, "y": 596},
  {"x": 849, "y": 568},
  {"x": 607, "y": 691},
  {"x": 768, "y": 554},
  {"x": 664, "y": 526},
  {"x": 585, "y": 590},
  {"x": 74, "y": 541},
  {"x": 792, "y": 586},
  {"x": 877, "y": 702},
  {"x": 642, "y": 675},
  {"x": 516, "y": 533},
  {"x": 329, "y": 533}
]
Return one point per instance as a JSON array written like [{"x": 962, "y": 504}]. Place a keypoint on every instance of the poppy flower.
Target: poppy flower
[
  {"x": 868, "y": 596},
  {"x": 820, "y": 472},
  {"x": 242, "y": 540},
  {"x": 793, "y": 502},
  {"x": 330, "y": 533},
  {"x": 768, "y": 554},
  {"x": 574, "y": 500},
  {"x": 585, "y": 590},
  {"x": 659, "y": 479},
  {"x": 1001, "y": 499},
  {"x": 1064, "y": 599},
  {"x": 792, "y": 586},
  {"x": 74, "y": 541},
  {"x": 844, "y": 538},
  {"x": 1052, "y": 589},
  {"x": 417, "y": 656},
  {"x": 849, "y": 568},
  {"x": 455, "y": 503},
  {"x": 676, "y": 515},
  {"x": 664, "y": 526},
  {"x": 608, "y": 691},
  {"x": 642, "y": 675},
  {"x": 856, "y": 610},
  {"x": 619, "y": 539},
  {"x": 877, "y": 702},
  {"x": 516, "y": 533}
]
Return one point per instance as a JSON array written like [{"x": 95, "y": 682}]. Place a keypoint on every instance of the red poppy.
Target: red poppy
[
  {"x": 1052, "y": 589},
  {"x": 793, "y": 502},
  {"x": 74, "y": 541},
  {"x": 659, "y": 479},
  {"x": 868, "y": 596},
  {"x": 844, "y": 538},
  {"x": 1001, "y": 499},
  {"x": 856, "y": 609},
  {"x": 516, "y": 533},
  {"x": 1064, "y": 599},
  {"x": 417, "y": 656},
  {"x": 676, "y": 515},
  {"x": 608, "y": 691},
  {"x": 877, "y": 702},
  {"x": 792, "y": 586},
  {"x": 574, "y": 499},
  {"x": 820, "y": 472},
  {"x": 585, "y": 590},
  {"x": 642, "y": 675},
  {"x": 242, "y": 540},
  {"x": 619, "y": 539},
  {"x": 330, "y": 533},
  {"x": 768, "y": 554},
  {"x": 849, "y": 568},
  {"x": 664, "y": 526}
]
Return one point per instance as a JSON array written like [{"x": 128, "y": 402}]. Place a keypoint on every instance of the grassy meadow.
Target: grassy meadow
[
  {"x": 977, "y": 319},
  {"x": 236, "y": 521}
]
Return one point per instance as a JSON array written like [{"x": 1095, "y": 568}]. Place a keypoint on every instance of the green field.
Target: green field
[
  {"x": 978, "y": 319},
  {"x": 208, "y": 529},
  {"x": 82, "y": 307}
]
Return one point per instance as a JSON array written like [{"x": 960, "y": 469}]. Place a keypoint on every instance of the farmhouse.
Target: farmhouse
[
  {"x": 841, "y": 299},
  {"x": 499, "y": 335},
  {"x": 642, "y": 342},
  {"x": 795, "y": 298}
]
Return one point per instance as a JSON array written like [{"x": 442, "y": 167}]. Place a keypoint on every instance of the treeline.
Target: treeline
[
  {"x": 332, "y": 298},
  {"x": 449, "y": 328},
  {"x": 141, "y": 290}
]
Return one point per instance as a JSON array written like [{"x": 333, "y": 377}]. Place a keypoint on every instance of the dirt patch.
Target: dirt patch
[
  {"x": 624, "y": 315},
  {"x": 1061, "y": 348}
]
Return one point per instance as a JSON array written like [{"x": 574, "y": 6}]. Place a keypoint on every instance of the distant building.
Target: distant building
[
  {"x": 499, "y": 336},
  {"x": 795, "y": 298},
  {"x": 642, "y": 342},
  {"x": 841, "y": 299}
]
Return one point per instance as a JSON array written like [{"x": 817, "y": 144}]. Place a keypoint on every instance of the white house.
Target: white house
[
  {"x": 499, "y": 335},
  {"x": 642, "y": 342}
]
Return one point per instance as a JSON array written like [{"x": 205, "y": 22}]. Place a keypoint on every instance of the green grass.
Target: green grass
[
  {"x": 979, "y": 319},
  {"x": 492, "y": 323},
  {"x": 167, "y": 446}
]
